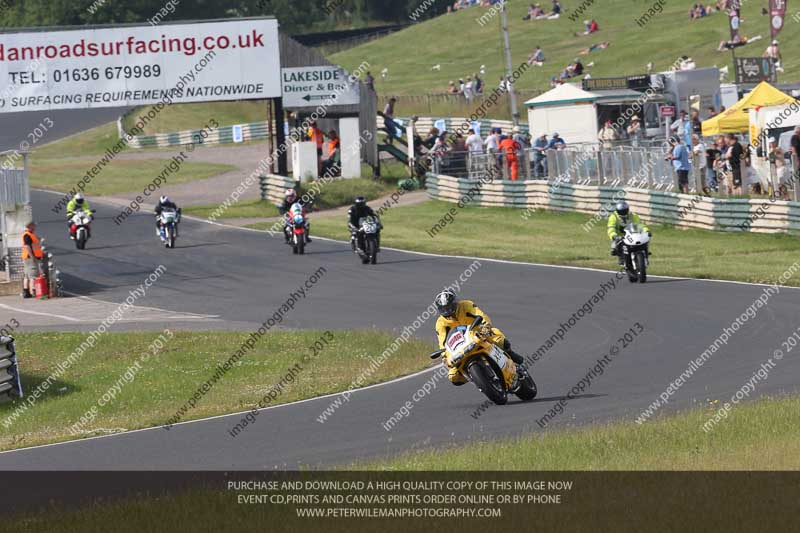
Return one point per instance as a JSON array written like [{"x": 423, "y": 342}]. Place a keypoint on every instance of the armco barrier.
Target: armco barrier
[
  {"x": 683, "y": 210},
  {"x": 10, "y": 383},
  {"x": 273, "y": 187},
  {"x": 223, "y": 134},
  {"x": 260, "y": 130},
  {"x": 424, "y": 124}
]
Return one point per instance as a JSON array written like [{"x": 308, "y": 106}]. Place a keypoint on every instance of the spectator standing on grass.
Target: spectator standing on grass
[
  {"x": 540, "y": 156},
  {"x": 677, "y": 126},
  {"x": 680, "y": 161},
  {"x": 478, "y": 85},
  {"x": 493, "y": 141},
  {"x": 699, "y": 158},
  {"x": 794, "y": 144},
  {"x": 712, "y": 156},
  {"x": 607, "y": 135},
  {"x": 451, "y": 88},
  {"x": 635, "y": 132},
  {"x": 474, "y": 143},
  {"x": 520, "y": 138},
  {"x": 388, "y": 120},
  {"x": 369, "y": 81},
  {"x": 697, "y": 125},
  {"x": 556, "y": 143},
  {"x": 32, "y": 254},
  {"x": 468, "y": 94},
  {"x": 773, "y": 52},
  {"x": 734, "y": 158}
]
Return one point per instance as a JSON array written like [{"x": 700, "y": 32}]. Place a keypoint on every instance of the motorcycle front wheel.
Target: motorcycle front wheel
[
  {"x": 170, "y": 237},
  {"x": 641, "y": 267},
  {"x": 372, "y": 249},
  {"x": 527, "y": 389},
  {"x": 80, "y": 239},
  {"x": 488, "y": 382}
]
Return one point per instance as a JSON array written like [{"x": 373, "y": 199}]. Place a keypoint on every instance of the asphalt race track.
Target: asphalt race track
[
  {"x": 64, "y": 122},
  {"x": 244, "y": 276}
]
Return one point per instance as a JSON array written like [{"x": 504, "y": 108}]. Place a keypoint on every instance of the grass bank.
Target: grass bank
[
  {"x": 762, "y": 435},
  {"x": 180, "y": 117},
  {"x": 170, "y": 377},
  {"x": 58, "y": 166},
  {"x": 331, "y": 195},
  {"x": 560, "y": 239},
  {"x": 632, "y": 46}
]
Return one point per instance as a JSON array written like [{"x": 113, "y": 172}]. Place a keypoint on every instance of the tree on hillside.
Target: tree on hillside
[{"x": 295, "y": 16}]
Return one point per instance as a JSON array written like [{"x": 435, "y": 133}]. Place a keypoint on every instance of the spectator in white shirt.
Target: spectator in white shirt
[
  {"x": 468, "y": 92},
  {"x": 475, "y": 143}
]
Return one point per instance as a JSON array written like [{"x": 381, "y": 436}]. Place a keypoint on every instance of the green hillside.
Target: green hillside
[{"x": 460, "y": 44}]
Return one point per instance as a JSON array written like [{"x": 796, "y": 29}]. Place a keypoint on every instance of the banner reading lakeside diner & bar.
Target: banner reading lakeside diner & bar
[{"x": 137, "y": 65}]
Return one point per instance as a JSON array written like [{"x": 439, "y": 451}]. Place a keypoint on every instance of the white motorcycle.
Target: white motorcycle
[
  {"x": 168, "y": 225},
  {"x": 79, "y": 228},
  {"x": 367, "y": 239},
  {"x": 635, "y": 253}
]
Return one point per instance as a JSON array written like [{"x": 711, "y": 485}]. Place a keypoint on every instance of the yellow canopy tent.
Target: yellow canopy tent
[{"x": 736, "y": 119}]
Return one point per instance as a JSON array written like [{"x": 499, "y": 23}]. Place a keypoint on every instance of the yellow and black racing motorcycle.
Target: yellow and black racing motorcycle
[{"x": 470, "y": 349}]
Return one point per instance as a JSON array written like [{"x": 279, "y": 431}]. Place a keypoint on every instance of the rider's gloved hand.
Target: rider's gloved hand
[{"x": 649, "y": 234}]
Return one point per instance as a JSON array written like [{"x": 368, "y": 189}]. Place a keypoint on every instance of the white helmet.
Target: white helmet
[
  {"x": 290, "y": 194},
  {"x": 163, "y": 200},
  {"x": 79, "y": 198}
]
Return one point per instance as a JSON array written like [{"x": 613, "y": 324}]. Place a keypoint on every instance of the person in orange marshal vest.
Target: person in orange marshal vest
[
  {"x": 315, "y": 135},
  {"x": 332, "y": 158},
  {"x": 510, "y": 147},
  {"x": 31, "y": 256}
]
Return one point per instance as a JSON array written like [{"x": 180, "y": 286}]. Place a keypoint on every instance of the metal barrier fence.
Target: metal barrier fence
[
  {"x": 620, "y": 166},
  {"x": 644, "y": 168},
  {"x": 14, "y": 191}
]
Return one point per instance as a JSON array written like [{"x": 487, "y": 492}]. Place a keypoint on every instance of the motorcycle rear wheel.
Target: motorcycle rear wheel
[
  {"x": 488, "y": 382},
  {"x": 527, "y": 389}
]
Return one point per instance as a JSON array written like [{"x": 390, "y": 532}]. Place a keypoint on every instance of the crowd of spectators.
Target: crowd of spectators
[{"x": 469, "y": 89}]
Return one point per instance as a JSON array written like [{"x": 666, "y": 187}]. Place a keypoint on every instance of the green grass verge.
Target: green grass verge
[
  {"x": 121, "y": 176},
  {"x": 559, "y": 238},
  {"x": 170, "y": 378},
  {"x": 666, "y": 37},
  {"x": 334, "y": 194},
  {"x": 248, "y": 209},
  {"x": 180, "y": 117},
  {"x": 58, "y": 166},
  {"x": 762, "y": 435}
]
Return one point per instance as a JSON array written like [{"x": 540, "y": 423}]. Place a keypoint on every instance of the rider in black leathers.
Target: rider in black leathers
[{"x": 357, "y": 211}]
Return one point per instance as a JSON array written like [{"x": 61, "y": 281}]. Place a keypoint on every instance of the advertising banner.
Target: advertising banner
[{"x": 138, "y": 65}]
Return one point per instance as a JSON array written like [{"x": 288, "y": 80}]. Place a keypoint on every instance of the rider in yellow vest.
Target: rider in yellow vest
[
  {"x": 31, "y": 255},
  {"x": 621, "y": 217},
  {"x": 454, "y": 313}
]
